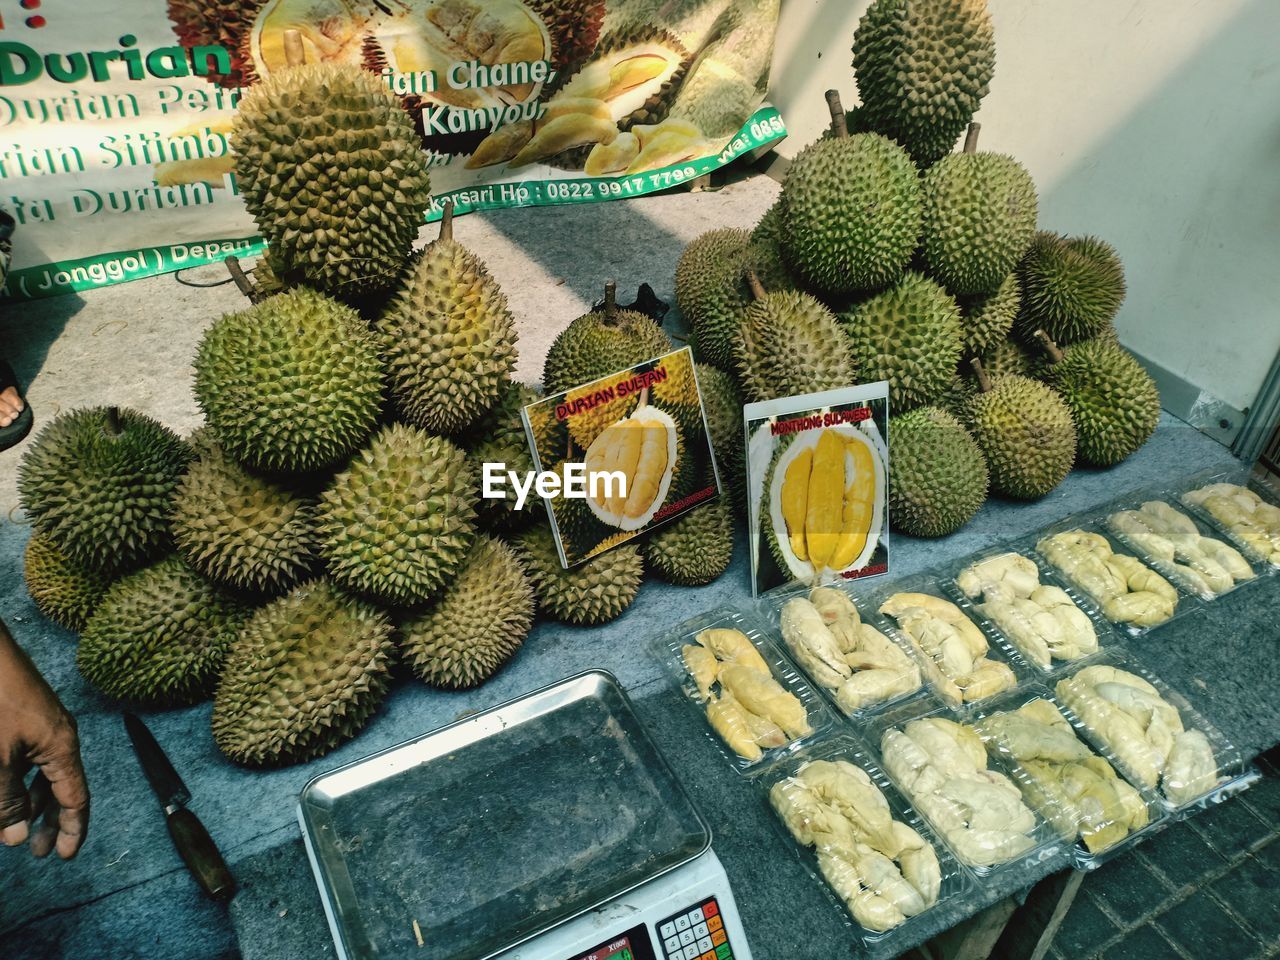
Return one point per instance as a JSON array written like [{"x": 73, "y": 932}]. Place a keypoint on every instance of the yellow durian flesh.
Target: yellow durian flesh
[{"x": 642, "y": 447}]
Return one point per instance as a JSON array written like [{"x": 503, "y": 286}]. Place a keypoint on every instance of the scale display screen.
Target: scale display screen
[{"x": 632, "y": 945}]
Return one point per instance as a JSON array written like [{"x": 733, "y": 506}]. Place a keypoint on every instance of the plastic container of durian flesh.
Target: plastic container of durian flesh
[
  {"x": 801, "y": 816},
  {"x": 974, "y": 801},
  {"x": 1047, "y": 649},
  {"x": 764, "y": 718},
  {"x": 958, "y": 676},
  {"x": 1260, "y": 542},
  {"x": 1137, "y": 612},
  {"x": 1187, "y": 552},
  {"x": 1079, "y": 789},
  {"x": 1139, "y": 742},
  {"x": 858, "y": 698}
]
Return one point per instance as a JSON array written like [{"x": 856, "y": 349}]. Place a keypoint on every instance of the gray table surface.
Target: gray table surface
[{"x": 128, "y": 896}]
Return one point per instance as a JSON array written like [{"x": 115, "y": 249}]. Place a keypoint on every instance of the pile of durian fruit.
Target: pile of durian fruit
[
  {"x": 890, "y": 257},
  {"x": 324, "y": 525}
]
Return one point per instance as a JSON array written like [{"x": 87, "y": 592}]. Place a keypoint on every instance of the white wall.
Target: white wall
[{"x": 1154, "y": 124}]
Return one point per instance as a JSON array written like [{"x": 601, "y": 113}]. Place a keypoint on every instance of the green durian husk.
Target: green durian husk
[
  {"x": 722, "y": 403},
  {"x": 1072, "y": 288},
  {"x": 594, "y": 592},
  {"x": 694, "y": 549},
  {"x": 1114, "y": 402},
  {"x": 63, "y": 590},
  {"x": 600, "y": 343},
  {"x": 1026, "y": 434},
  {"x": 789, "y": 343},
  {"x": 986, "y": 319},
  {"x": 939, "y": 478}
]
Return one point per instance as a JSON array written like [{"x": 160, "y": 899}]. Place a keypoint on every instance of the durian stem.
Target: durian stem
[
  {"x": 611, "y": 299},
  {"x": 446, "y": 221},
  {"x": 294, "y": 54},
  {"x": 114, "y": 427},
  {"x": 757, "y": 289},
  {"x": 644, "y": 397},
  {"x": 1051, "y": 349},
  {"x": 839, "y": 122},
  {"x": 984, "y": 381},
  {"x": 971, "y": 138},
  {"x": 241, "y": 279}
]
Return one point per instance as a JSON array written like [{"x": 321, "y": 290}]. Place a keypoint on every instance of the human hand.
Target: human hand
[{"x": 37, "y": 731}]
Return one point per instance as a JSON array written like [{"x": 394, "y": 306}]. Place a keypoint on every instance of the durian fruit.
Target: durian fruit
[
  {"x": 601, "y": 407},
  {"x": 695, "y": 549},
  {"x": 217, "y": 23},
  {"x": 909, "y": 335},
  {"x": 502, "y": 439},
  {"x": 591, "y": 593},
  {"x": 1072, "y": 287},
  {"x": 923, "y": 67},
  {"x": 305, "y": 674},
  {"x": 979, "y": 217},
  {"x": 642, "y": 448},
  {"x": 678, "y": 394},
  {"x": 159, "y": 636},
  {"x": 1006, "y": 357},
  {"x": 712, "y": 291},
  {"x": 447, "y": 336},
  {"x": 397, "y": 523},
  {"x": 1113, "y": 400},
  {"x": 99, "y": 481},
  {"x": 955, "y": 396},
  {"x": 939, "y": 478},
  {"x": 722, "y": 403},
  {"x": 476, "y": 625},
  {"x": 601, "y": 342},
  {"x": 987, "y": 319},
  {"x": 851, "y": 210},
  {"x": 1025, "y": 432},
  {"x": 574, "y": 27},
  {"x": 333, "y": 173},
  {"x": 823, "y": 511},
  {"x": 240, "y": 529},
  {"x": 63, "y": 590},
  {"x": 579, "y": 527},
  {"x": 789, "y": 344},
  {"x": 293, "y": 384}
]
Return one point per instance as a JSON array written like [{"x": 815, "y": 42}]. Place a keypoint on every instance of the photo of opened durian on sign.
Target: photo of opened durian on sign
[{"x": 620, "y": 455}]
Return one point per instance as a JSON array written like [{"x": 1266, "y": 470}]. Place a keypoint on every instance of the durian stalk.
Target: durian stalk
[
  {"x": 1051, "y": 349},
  {"x": 971, "y": 138},
  {"x": 984, "y": 381},
  {"x": 241, "y": 280},
  {"x": 839, "y": 121},
  {"x": 757, "y": 288},
  {"x": 446, "y": 221},
  {"x": 114, "y": 429},
  {"x": 611, "y": 299}
]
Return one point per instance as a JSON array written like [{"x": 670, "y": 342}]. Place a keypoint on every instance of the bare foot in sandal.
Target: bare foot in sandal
[{"x": 11, "y": 406}]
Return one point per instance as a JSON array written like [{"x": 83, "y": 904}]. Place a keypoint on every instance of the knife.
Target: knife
[{"x": 191, "y": 839}]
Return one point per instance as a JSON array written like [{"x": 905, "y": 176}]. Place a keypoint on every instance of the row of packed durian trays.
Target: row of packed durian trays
[{"x": 991, "y": 703}]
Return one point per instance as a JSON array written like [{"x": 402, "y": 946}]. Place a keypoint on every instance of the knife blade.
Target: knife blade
[{"x": 190, "y": 838}]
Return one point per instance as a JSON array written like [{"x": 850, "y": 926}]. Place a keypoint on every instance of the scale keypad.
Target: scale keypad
[{"x": 697, "y": 933}]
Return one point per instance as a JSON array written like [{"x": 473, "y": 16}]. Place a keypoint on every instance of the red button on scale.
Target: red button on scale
[{"x": 710, "y": 909}]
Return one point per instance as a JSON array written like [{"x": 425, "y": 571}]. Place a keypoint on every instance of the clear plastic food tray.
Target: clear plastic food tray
[
  {"x": 1046, "y": 845},
  {"x": 1185, "y": 603},
  {"x": 1241, "y": 477},
  {"x": 1232, "y": 771},
  {"x": 1063, "y": 821},
  {"x": 770, "y": 606},
  {"x": 1177, "y": 572},
  {"x": 956, "y": 883},
  {"x": 927, "y": 583},
  {"x": 1102, "y": 628},
  {"x": 820, "y": 716}
]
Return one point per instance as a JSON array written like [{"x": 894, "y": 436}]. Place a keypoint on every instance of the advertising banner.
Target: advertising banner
[{"x": 116, "y": 150}]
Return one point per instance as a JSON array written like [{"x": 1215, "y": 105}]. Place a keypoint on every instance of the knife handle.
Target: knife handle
[{"x": 201, "y": 856}]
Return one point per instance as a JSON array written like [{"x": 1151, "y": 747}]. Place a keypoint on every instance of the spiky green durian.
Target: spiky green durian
[
  {"x": 788, "y": 344},
  {"x": 722, "y": 404},
  {"x": 100, "y": 482},
  {"x": 979, "y": 217},
  {"x": 599, "y": 343},
  {"x": 1072, "y": 287},
  {"x": 240, "y": 529},
  {"x": 695, "y": 549},
  {"x": 986, "y": 319},
  {"x": 305, "y": 674},
  {"x": 397, "y": 523},
  {"x": 448, "y": 338},
  {"x": 499, "y": 437},
  {"x": 292, "y": 384},
  {"x": 909, "y": 335},
  {"x": 939, "y": 478},
  {"x": 955, "y": 396},
  {"x": 476, "y": 625},
  {"x": 1025, "y": 432},
  {"x": 579, "y": 527},
  {"x": 591, "y": 593},
  {"x": 64, "y": 591},
  {"x": 159, "y": 636},
  {"x": 851, "y": 210},
  {"x": 334, "y": 174},
  {"x": 923, "y": 67},
  {"x": 1005, "y": 357},
  {"x": 1113, "y": 400}
]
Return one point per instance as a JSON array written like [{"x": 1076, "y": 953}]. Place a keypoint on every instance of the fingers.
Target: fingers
[
  {"x": 44, "y": 833},
  {"x": 70, "y": 798},
  {"x": 15, "y": 809}
]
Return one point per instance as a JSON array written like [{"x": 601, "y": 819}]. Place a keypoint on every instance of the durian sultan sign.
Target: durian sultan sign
[{"x": 117, "y": 156}]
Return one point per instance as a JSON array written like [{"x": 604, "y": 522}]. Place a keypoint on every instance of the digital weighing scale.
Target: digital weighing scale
[{"x": 547, "y": 828}]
